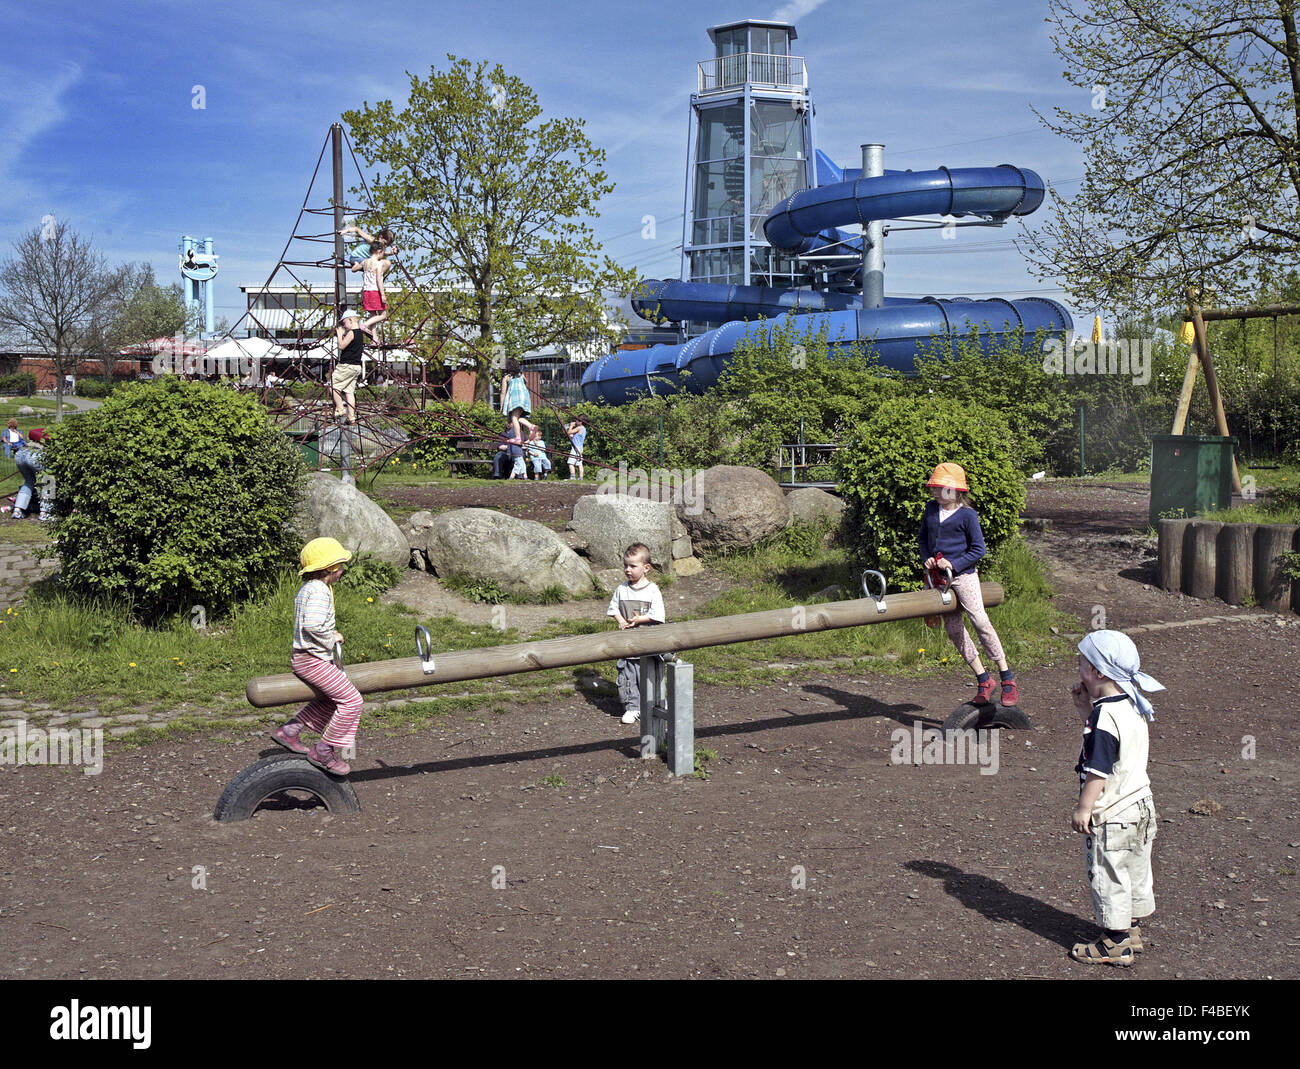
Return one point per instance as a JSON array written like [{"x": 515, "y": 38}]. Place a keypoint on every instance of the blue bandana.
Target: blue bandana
[{"x": 1113, "y": 654}]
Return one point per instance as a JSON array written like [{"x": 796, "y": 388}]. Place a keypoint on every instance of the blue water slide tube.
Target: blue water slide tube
[
  {"x": 797, "y": 223},
  {"x": 683, "y": 302},
  {"x": 895, "y": 332},
  {"x": 809, "y": 220}
]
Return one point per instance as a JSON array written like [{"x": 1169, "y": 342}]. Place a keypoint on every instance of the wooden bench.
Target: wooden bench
[{"x": 467, "y": 448}]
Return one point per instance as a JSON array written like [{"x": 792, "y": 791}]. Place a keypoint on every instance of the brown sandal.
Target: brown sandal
[{"x": 1103, "y": 952}]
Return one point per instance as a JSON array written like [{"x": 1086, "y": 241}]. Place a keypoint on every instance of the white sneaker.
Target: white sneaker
[{"x": 631, "y": 715}]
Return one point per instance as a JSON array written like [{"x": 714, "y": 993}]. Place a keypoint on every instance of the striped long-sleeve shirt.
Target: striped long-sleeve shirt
[{"x": 313, "y": 620}]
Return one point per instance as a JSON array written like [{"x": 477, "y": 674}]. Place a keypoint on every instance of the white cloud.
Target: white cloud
[
  {"x": 31, "y": 102},
  {"x": 795, "y": 10}
]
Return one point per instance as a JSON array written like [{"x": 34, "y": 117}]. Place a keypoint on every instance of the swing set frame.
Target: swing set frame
[{"x": 1200, "y": 355}]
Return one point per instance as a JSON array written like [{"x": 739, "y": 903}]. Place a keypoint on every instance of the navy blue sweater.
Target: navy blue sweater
[{"x": 958, "y": 538}]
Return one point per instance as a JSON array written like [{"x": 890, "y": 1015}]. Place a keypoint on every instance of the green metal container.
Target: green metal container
[
  {"x": 1190, "y": 475},
  {"x": 308, "y": 443}
]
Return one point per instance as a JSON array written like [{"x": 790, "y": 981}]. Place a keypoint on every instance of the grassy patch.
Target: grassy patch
[
  {"x": 57, "y": 651},
  {"x": 30, "y": 533},
  {"x": 65, "y": 654},
  {"x": 489, "y": 592}
]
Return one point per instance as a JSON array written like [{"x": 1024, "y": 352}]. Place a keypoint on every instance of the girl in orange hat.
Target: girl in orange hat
[{"x": 951, "y": 537}]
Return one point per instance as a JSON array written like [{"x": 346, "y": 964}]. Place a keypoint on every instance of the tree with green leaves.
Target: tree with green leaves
[
  {"x": 146, "y": 311},
  {"x": 491, "y": 205},
  {"x": 1189, "y": 118}
]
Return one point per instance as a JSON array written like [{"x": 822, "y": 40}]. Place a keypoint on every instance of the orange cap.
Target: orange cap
[{"x": 949, "y": 475}]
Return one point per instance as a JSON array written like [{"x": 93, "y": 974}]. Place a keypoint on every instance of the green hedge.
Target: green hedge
[{"x": 173, "y": 495}]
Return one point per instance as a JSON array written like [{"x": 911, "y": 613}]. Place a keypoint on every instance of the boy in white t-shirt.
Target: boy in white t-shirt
[
  {"x": 636, "y": 603},
  {"x": 1116, "y": 812}
]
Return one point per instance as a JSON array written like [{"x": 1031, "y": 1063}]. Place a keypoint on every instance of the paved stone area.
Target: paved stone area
[{"x": 19, "y": 569}]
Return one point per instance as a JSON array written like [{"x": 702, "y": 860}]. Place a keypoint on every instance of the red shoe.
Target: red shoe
[
  {"x": 1009, "y": 693},
  {"x": 289, "y": 739},
  {"x": 984, "y": 695},
  {"x": 324, "y": 756}
]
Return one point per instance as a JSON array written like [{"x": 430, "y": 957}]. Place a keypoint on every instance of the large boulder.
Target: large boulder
[
  {"x": 335, "y": 509},
  {"x": 728, "y": 507},
  {"x": 520, "y": 556},
  {"x": 811, "y": 505},
  {"x": 609, "y": 523}
]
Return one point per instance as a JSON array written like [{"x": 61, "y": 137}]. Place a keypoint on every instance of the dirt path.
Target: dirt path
[{"x": 806, "y": 853}]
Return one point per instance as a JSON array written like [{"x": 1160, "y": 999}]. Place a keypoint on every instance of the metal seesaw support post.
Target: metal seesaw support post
[{"x": 668, "y": 711}]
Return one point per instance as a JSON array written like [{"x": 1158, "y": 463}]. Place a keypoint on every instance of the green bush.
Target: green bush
[
  {"x": 367, "y": 574},
  {"x": 433, "y": 432},
  {"x": 97, "y": 387},
  {"x": 23, "y": 383},
  {"x": 786, "y": 384},
  {"x": 172, "y": 495},
  {"x": 887, "y": 461},
  {"x": 1008, "y": 379}
]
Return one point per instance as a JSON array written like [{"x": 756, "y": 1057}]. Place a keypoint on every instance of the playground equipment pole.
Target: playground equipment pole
[
  {"x": 1202, "y": 349},
  {"x": 340, "y": 268},
  {"x": 635, "y": 642},
  {"x": 340, "y": 286},
  {"x": 873, "y": 245}
]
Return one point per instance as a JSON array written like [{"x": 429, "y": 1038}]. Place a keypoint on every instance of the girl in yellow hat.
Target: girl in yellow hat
[
  {"x": 951, "y": 538},
  {"x": 336, "y": 709}
]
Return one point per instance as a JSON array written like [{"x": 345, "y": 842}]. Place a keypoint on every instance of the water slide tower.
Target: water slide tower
[{"x": 749, "y": 147}]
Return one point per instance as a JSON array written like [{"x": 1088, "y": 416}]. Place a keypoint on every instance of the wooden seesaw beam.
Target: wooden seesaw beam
[{"x": 457, "y": 666}]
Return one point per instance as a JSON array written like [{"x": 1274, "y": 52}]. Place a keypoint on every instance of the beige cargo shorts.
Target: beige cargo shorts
[{"x": 1117, "y": 856}]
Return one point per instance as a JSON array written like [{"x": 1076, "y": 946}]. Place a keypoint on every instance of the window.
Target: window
[{"x": 722, "y": 133}]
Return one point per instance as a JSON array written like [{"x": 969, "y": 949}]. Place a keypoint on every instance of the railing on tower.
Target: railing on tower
[{"x": 726, "y": 72}]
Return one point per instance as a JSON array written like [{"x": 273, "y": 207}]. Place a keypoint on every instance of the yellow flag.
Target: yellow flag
[
  {"x": 1096, "y": 328},
  {"x": 1188, "y": 334}
]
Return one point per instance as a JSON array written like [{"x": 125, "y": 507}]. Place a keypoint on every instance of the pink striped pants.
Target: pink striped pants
[
  {"x": 967, "y": 589},
  {"x": 336, "y": 710}
]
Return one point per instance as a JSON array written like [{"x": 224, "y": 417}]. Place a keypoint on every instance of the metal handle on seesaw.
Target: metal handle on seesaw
[
  {"x": 945, "y": 590},
  {"x": 423, "y": 649},
  {"x": 338, "y": 655},
  {"x": 879, "y": 599}
]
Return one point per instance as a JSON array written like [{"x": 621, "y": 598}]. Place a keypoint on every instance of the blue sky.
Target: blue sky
[{"x": 99, "y": 129}]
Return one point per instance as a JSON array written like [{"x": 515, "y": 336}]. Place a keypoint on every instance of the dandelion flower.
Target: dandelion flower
[
  {"x": 131, "y": 664},
  {"x": 13, "y": 669},
  {"x": 370, "y": 599},
  {"x": 921, "y": 650}
]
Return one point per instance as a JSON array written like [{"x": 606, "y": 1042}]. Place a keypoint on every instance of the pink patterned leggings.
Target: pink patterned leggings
[
  {"x": 967, "y": 589},
  {"x": 336, "y": 709}
]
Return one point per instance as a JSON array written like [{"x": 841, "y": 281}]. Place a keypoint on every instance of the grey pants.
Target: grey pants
[{"x": 629, "y": 683}]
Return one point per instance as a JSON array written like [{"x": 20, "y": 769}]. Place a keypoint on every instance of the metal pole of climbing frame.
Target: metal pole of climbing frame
[
  {"x": 340, "y": 268},
  {"x": 873, "y": 236}
]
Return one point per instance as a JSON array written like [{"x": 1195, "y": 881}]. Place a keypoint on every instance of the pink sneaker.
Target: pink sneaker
[
  {"x": 289, "y": 739},
  {"x": 324, "y": 756},
  {"x": 1010, "y": 693},
  {"x": 984, "y": 694}
]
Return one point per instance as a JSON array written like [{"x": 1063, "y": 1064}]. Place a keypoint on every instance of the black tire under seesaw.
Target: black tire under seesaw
[
  {"x": 283, "y": 772},
  {"x": 986, "y": 715}
]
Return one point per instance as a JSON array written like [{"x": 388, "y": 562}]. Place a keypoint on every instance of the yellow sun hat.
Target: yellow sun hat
[
  {"x": 949, "y": 475},
  {"x": 322, "y": 553}
]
